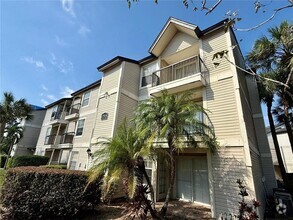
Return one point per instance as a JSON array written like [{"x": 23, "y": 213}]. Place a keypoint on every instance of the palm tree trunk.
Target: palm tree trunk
[
  {"x": 275, "y": 140},
  {"x": 172, "y": 178},
  {"x": 2, "y": 128},
  {"x": 150, "y": 187},
  {"x": 288, "y": 127}
]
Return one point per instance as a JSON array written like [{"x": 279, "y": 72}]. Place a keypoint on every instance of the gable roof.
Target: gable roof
[
  {"x": 172, "y": 26},
  {"x": 92, "y": 85},
  {"x": 169, "y": 30}
]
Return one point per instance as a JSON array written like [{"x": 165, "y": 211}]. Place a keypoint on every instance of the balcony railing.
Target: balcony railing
[
  {"x": 74, "y": 109},
  {"x": 185, "y": 68},
  {"x": 67, "y": 138},
  {"x": 50, "y": 139}
]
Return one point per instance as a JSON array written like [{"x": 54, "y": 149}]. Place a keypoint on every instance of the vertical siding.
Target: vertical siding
[
  {"x": 212, "y": 44},
  {"x": 228, "y": 165},
  {"x": 179, "y": 42},
  {"x": 110, "y": 79},
  {"x": 106, "y": 105},
  {"x": 221, "y": 103}
]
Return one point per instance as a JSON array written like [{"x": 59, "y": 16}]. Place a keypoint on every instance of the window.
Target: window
[
  {"x": 86, "y": 99},
  {"x": 80, "y": 125},
  {"x": 148, "y": 168},
  {"x": 162, "y": 177},
  {"x": 147, "y": 72}
]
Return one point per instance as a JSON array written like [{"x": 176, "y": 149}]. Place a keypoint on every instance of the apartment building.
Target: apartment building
[
  {"x": 31, "y": 131},
  {"x": 181, "y": 59}
]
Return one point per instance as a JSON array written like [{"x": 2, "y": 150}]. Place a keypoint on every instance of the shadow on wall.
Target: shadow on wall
[{"x": 228, "y": 166}]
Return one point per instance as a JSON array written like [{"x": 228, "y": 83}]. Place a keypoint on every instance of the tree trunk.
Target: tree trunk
[
  {"x": 287, "y": 120},
  {"x": 275, "y": 140},
  {"x": 2, "y": 128},
  {"x": 172, "y": 178}
]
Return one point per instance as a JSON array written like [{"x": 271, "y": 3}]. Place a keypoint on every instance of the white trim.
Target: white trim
[
  {"x": 78, "y": 136},
  {"x": 92, "y": 111},
  {"x": 259, "y": 115},
  {"x": 90, "y": 92},
  {"x": 116, "y": 110},
  {"x": 141, "y": 72},
  {"x": 129, "y": 94}
]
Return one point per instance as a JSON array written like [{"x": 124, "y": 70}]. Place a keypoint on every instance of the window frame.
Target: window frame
[
  {"x": 83, "y": 99},
  {"x": 79, "y": 135},
  {"x": 156, "y": 63}
]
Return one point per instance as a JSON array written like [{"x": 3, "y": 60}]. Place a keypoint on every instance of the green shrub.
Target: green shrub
[
  {"x": 29, "y": 160},
  {"x": 41, "y": 193},
  {"x": 9, "y": 162},
  {"x": 3, "y": 159},
  {"x": 55, "y": 166}
]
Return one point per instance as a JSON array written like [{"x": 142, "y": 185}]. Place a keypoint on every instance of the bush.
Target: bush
[
  {"x": 9, "y": 162},
  {"x": 3, "y": 159},
  {"x": 55, "y": 166},
  {"x": 41, "y": 193},
  {"x": 29, "y": 160}
]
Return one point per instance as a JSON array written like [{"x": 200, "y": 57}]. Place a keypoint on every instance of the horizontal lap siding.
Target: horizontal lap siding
[
  {"x": 131, "y": 77},
  {"x": 212, "y": 44},
  {"x": 179, "y": 42},
  {"x": 103, "y": 128},
  {"x": 126, "y": 110},
  {"x": 222, "y": 108},
  {"x": 111, "y": 79},
  {"x": 228, "y": 165},
  {"x": 257, "y": 177},
  {"x": 44, "y": 128}
]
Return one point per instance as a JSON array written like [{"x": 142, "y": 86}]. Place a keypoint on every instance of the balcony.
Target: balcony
[
  {"x": 66, "y": 140},
  {"x": 60, "y": 141},
  {"x": 184, "y": 75},
  {"x": 50, "y": 139},
  {"x": 58, "y": 117},
  {"x": 73, "y": 112}
]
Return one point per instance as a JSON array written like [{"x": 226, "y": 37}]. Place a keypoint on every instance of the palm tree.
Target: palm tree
[
  {"x": 173, "y": 117},
  {"x": 266, "y": 94},
  {"x": 13, "y": 134},
  {"x": 12, "y": 110},
  {"x": 121, "y": 157}
]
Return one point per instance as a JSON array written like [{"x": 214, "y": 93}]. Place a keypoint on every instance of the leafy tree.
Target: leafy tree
[
  {"x": 173, "y": 118},
  {"x": 275, "y": 54},
  {"x": 121, "y": 157},
  {"x": 12, "y": 110}
]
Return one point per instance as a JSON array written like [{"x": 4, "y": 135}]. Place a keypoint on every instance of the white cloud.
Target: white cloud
[
  {"x": 84, "y": 30},
  {"x": 52, "y": 97},
  {"x": 67, "y": 6},
  {"x": 63, "y": 66},
  {"x": 66, "y": 91},
  {"x": 44, "y": 87},
  {"x": 45, "y": 102},
  {"x": 38, "y": 64},
  {"x": 60, "y": 41}
]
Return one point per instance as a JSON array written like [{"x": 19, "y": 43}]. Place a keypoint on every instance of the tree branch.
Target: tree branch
[
  {"x": 209, "y": 10},
  {"x": 251, "y": 72},
  {"x": 270, "y": 18}
]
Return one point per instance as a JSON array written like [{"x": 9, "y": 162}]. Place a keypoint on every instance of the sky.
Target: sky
[{"x": 49, "y": 49}]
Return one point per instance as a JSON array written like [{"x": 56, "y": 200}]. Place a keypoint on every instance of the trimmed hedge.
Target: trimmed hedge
[
  {"x": 29, "y": 160},
  {"x": 58, "y": 166},
  {"x": 41, "y": 193},
  {"x": 3, "y": 159}
]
